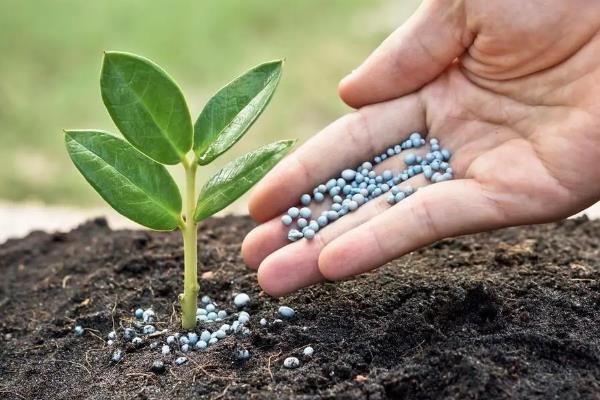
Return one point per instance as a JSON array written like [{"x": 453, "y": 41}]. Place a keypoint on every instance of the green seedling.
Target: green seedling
[{"x": 150, "y": 111}]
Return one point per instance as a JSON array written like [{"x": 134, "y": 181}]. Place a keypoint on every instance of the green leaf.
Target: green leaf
[
  {"x": 136, "y": 186},
  {"x": 229, "y": 113},
  {"x": 237, "y": 177},
  {"x": 147, "y": 106}
]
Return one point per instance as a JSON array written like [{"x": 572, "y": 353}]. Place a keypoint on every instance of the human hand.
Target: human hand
[{"x": 511, "y": 87}]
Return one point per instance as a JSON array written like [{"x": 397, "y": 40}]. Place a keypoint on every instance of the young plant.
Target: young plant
[{"x": 150, "y": 111}]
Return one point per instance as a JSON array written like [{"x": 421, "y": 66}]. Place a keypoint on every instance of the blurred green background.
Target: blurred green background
[{"x": 51, "y": 56}]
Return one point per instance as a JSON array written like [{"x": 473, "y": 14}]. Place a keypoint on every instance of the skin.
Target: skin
[{"x": 511, "y": 87}]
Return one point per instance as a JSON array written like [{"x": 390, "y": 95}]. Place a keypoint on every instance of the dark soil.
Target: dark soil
[{"x": 509, "y": 314}]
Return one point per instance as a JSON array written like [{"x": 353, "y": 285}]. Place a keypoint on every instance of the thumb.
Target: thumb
[{"x": 411, "y": 56}]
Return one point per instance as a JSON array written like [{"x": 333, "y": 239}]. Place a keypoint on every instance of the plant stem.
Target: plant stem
[{"x": 189, "y": 298}]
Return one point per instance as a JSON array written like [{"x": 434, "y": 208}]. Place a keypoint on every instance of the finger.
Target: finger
[
  {"x": 272, "y": 235},
  {"x": 410, "y": 57},
  {"x": 264, "y": 240},
  {"x": 296, "y": 265},
  {"x": 347, "y": 142},
  {"x": 435, "y": 212}
]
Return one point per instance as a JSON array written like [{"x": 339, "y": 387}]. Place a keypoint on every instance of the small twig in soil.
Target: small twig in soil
[
  {"x": 127, "y": 321},
  {"x": 91, "y": 351},
  {"x": 174, "y": 376},
  {"x": 269, "y": 364},
  {"x": 27, "y": 350},
  {"x": 222, "y": 393},
  {"x": 143, "y": 388},
  {"x": 172, "y": 314},
  {"x": 204, "y": 371},
  {"x": 112, "y": 313},
  {"x": 158, "y": 333},
  {"x": 87, "y": 361},
  {"x": 65, "y": 280},
  {"x": 92, "y": 332},
  {"x": 145, "y": 375}
]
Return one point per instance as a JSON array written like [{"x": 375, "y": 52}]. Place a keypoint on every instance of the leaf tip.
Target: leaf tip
[
  {"x": 111, "y": 54},
  {"x": 274, "y": 65},
  {"x": 279, "y": 62},
  {"x": 107, "y": 54},
  {"x": 289, "y": 143},
  {"x": 68, "y": 137}
]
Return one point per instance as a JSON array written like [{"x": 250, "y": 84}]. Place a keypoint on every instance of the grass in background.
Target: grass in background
[{"x": 52, "y": 52}]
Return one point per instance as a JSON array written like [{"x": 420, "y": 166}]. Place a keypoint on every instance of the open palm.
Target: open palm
[{"x": 513, "y": 90}]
